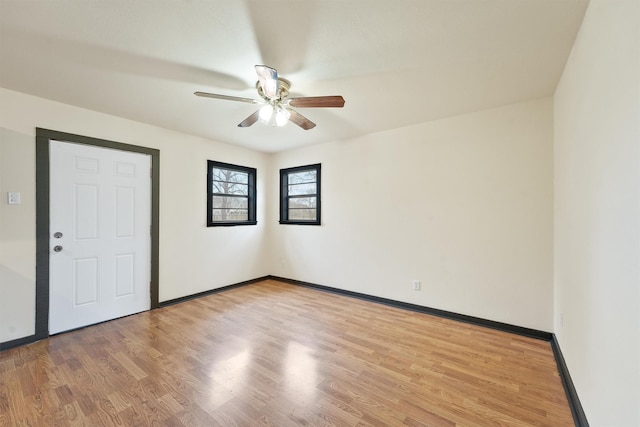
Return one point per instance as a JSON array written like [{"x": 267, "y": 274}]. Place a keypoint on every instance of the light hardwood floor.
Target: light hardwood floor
[{"x": 275, "y": 354}]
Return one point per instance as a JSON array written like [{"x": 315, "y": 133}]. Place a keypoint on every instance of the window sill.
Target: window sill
[
  {"x": 300, "y": 222},
  {"x": 231, "y": 224}
]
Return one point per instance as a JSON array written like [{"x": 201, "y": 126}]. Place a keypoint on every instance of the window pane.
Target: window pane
[
  {"x": 231, "y": 194},
  {"x": 230, "y": 215},
  {"x": 302, "y": 202},
  {"x": 230, "y": 202},
  {"x": 302, "y": 214},
  {"x": 300, "y": 195},
  {"x": 230, "y": 188},
  {"x": 302, "y": 177},
  {"x": 228, "y": 175},
  {"x": 296, "y": 189}
]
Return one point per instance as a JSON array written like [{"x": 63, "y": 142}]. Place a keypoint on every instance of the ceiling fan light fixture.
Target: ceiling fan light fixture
[
  {"x": 274, "y": 114},
  {"x": 282, "y": 116},
  {"x": 266, "y": 112}
]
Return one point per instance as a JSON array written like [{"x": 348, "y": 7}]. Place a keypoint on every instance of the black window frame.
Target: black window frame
[
  {"x": 251, "y": 196},
  {"x": 285, "y": 197}
]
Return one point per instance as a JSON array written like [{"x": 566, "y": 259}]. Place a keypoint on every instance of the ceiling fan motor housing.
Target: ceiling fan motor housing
[{"x": 283, "y": 89}]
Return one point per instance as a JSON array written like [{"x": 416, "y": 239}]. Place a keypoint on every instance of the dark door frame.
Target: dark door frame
[{"x": 43, "y": 136}]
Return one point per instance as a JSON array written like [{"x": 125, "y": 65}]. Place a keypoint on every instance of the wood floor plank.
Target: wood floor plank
[{"x": 275, "y": 354}]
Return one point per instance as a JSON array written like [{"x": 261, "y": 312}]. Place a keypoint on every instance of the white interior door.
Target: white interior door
[{"x": 100, "y": 244}]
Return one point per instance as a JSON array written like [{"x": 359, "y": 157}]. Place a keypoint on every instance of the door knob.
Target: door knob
[
  {"x": 57, "y": 248},
  {"x": 57, "y": 234}
]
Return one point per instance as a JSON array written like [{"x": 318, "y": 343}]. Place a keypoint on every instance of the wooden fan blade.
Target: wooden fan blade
[
  {"x": 249, "y": 120},
  {"x": 301, "y": 120},
  {"x": 226, "y": 97},
  {"x": 317, "y": 101},
  {"x": 268, "y": 78}
]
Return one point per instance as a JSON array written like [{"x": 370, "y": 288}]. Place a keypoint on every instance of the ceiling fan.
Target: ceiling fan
[{"x": 277, "y": 110}]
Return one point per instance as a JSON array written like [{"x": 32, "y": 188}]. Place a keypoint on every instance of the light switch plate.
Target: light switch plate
[{"x": 13, "y": 198}]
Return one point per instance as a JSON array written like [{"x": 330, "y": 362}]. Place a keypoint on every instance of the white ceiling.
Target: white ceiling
[{"x": 396, "y": 62}]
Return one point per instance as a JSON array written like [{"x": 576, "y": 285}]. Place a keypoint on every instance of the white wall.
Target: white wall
[
  {"x": 597, "y": 215},
  {"x": 17, "y": 236},
  {"x": 193, "y": 258},
  {"x": 463, "y": 204}
]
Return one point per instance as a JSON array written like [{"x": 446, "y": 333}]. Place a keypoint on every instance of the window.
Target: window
[
  {"x": 231, "y": 194},
  {"x": 300, "y": 195}
]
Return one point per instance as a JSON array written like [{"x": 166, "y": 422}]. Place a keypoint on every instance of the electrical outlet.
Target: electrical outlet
[
  {"x": 13, "y": 198},
  {"x": 416, "y": 285}
]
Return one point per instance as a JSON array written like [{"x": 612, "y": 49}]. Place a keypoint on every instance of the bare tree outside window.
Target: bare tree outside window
[
  {"x": 300, "y": 195},
  {"x": 231, "y": 192},
  {"x": 302, "y": 190}
]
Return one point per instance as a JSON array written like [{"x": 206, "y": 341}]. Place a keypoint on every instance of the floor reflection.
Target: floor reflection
[
  {"x": 232, "y": 372},
  {"x": 301, "y": 373}
]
